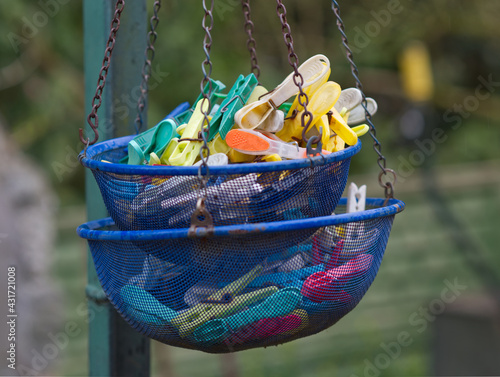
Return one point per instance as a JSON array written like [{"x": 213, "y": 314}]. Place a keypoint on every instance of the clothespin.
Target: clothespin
[
  {"x": 217, "y": 88},
  {"x": 168, "y": 151},
  {"x": 294, "y": 278},
  {"x": 358, "y": 115},
  {"x": 153, "y": 140},
  {"x": 218, "y": 145},
  {"x": 267, "y": 327},
  {"x": 327, "y": 285},
  {"x": 295, "y": 106},
  {"x": 279, "y": 304},
  {"x": 145, "y": 307},
  {"x": 223, "y": 119},
  {"x": 262, "y": 144},
  {"x": 341, "y": 128},
  {"x": 320, "y": 102},
  {"x": 356, "y": 198},
  {"x": 264, "y": 113},
  {"x": 185, "y": 152},
  {"x": 222, "y": 303},
  {"x": 349, "y": 99}
]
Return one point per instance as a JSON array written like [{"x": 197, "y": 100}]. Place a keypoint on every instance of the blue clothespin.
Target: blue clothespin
[
  {"x": 143, "y": 306},
  {"x": 223, "y": 119},
  {"x": 215, "y": 94},
  {"x": 286, "y": 279},
  {"x": 178, "y": 110}
]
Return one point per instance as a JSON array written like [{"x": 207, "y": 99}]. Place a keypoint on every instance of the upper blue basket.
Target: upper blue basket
[{"x": 164, "y": 197}]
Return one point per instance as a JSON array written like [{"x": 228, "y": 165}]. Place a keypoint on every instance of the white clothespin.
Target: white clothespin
[{"x": 356, "y": 198}]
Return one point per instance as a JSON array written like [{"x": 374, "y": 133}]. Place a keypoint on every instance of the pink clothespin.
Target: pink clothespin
[{"x": 327, "y": 285}]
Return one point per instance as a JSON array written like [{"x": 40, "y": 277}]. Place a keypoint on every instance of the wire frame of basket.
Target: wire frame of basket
[
  {"x": 165, "y": 197},
  {"x": 245, "y": 286}
]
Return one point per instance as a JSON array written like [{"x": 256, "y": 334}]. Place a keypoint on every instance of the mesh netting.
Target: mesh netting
[
  {"x": 150, "y": 197},
  {"x": 246, "y": 286}
]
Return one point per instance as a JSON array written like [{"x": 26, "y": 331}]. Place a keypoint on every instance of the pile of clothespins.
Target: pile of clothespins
[{"x": 250, "y": 123}]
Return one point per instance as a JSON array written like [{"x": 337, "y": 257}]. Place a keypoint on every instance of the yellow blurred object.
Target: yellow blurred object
[
  {"x": 361, "y": 129},
  {"x": 181, "y": 129},
  {"x": 321, "y": 101},
  {"x": 340, "y": 127},
  {"x": 168, "y": 151},
  {"x": 235, "y": 156},
  {"x": 259, "y": 91},
  {"x": 416, "y": 72},
  {"x": 335, "y": 144},
  {"x": 154, "y": 159},
  {"x": 217, "y": 145},
  {"x": 272, "y": 158}
]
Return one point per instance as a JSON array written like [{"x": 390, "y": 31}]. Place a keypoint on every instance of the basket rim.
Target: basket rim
[
  {"x": 90, "y": 230},
  {"x": 121, "y": 142}
]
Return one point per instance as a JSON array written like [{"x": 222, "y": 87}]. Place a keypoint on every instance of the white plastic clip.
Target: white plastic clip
[{"x": 356, "y": 198}]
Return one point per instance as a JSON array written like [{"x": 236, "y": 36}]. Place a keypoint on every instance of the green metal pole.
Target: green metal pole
[{"x": 115, "y": 349}]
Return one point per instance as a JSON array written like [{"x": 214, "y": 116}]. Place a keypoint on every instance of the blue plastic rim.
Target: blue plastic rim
[
  {"x": 92, "y": 229},
  {"x": 246, "y": 286},
  {"x": 92, "y": 161},
  {"x": 165, "y": 197}
]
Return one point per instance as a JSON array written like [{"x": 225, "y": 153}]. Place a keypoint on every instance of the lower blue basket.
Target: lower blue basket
[{"x": 244, "y": 286}]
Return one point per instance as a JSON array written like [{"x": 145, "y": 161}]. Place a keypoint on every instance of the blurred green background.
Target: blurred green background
[{"x": 448, "y": 231}]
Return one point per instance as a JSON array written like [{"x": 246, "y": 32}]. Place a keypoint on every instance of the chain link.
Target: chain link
[
  {"x": 146, "y": 68},
  {"x": 251, "y": 43},
  {"x": 381, "y": 160},
  {"x": 93, "y": 119},
  {"x": 206, "y": 67},
  {"x": 298, "y": 79}
]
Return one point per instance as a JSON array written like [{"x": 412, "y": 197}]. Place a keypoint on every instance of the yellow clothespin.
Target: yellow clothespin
[
  {"x": 272, "y": 158},
  {"x": 340, "y": 127},
  {"x": 185, "y": 152},
  {"x": 217, "y": 145},
  {"x": 222, "y": 303},
  {"x": 320, "y": 103},
  {"x": 168, "y": 151}
]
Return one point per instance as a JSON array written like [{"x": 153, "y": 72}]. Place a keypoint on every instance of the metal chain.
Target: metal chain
[
  {"x": 146, "y": 68},
  {"x": 206, "y": 67},
  {"x": 201, "y": 218},
  {"x": 293, "y": 60},
  {"x": 251, "y": 43},
  {"x": 381, "y": 160},
  {"x": 93, "y": 119}
]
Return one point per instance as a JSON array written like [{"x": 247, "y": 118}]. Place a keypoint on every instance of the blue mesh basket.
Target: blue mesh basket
[
  {"x": 164, "y": 197},
  {"x": 244, "y": 286}
]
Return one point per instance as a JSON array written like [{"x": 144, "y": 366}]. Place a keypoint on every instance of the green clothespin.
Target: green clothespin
[
  {"x": 144, "y": 306},
  {"x": 281, "y": 303},
  {"x": 217, "y": 88},
  {"x": 153, "y": 140},
  {"x": 223, "y": 120},
  {"x": 222, "y": 303},
  {"x": 286, "y": 107}
]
